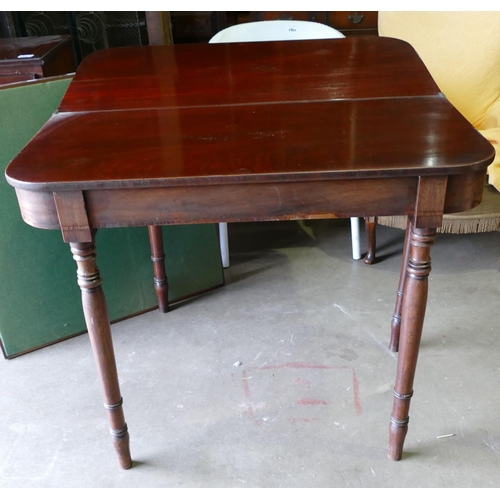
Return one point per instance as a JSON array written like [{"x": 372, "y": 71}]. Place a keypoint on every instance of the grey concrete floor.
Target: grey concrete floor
[{"x": 282, "y": 378}]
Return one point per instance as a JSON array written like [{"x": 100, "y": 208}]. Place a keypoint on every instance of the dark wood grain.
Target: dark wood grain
[
  {"x": 253, "y": 143},
  {"x": 216, "y": 74}
]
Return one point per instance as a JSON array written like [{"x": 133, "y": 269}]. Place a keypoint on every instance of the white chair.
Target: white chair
[{"x": 272, "y": 31}]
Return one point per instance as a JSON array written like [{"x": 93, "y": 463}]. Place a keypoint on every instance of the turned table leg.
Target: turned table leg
[
  {"x": 160, "y": 275},
  {"x": 414, "y": 302},
  {"x": 371, "y": 235},
  {"x": 396, "y": 317},
  {"x": 97, "y": 320}
]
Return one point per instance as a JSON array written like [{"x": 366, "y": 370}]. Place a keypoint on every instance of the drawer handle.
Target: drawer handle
[{"x": 356, "y": 17}]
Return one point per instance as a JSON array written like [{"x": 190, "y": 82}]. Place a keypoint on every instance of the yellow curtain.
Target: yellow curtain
[{"x": 462, "y": 52}]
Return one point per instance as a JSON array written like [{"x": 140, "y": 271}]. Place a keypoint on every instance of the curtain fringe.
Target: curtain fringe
[{"x": 452, "y": 224}]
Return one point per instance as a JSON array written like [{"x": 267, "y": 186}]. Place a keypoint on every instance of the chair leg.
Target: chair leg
[
  {"x": 158, "y": 258},
  {"x": 356, "y": 248},
  {"x": 371, "y": 229},
  {"x": 224, "y": 244}
]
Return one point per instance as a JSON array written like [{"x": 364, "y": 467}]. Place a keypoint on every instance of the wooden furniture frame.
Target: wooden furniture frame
[
  {"x": 29, "y": 58},
  {"x": 188, "y": 134}
]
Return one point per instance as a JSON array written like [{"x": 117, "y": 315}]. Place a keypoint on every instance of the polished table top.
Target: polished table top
[
  {"x": 242, "y": 132},
  {"x": 236, "y": 113}
]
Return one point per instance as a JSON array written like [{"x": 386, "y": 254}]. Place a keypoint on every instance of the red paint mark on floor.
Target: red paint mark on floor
[
  {"x": 302, "y": 382},
  {"x": 246, "y": 390},
  {"x": 244, "y": 382},
  {"x": 357, "y": 398},
  {"x": 306, "y": 420},
  {"x": 311, "y": 401},
  {"x": 296, "y": 365},
  {"x": 355, "y": 386}
]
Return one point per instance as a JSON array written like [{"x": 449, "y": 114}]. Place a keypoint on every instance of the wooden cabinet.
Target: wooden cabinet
[
  {"x": 354, "y": 23},
  {"x": 30, "y": 58},
  {"x": 188, "y": 27},
  {"x": 192, "y": 27}
]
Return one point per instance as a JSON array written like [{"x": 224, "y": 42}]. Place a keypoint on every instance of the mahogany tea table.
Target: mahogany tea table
[{"x": 196, "y": 134}]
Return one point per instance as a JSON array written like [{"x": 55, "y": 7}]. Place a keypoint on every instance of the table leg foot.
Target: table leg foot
[
  {"x": 121, "y": 443},
  {"x": 414, "y": 300},
  {"x": 160, "y": 275},
  {"x": 397, "y": 434},
  {"x": 97, "y": 320}
]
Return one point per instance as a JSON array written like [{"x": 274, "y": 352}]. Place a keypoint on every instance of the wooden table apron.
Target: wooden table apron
[{"x": 253, "y": 157}]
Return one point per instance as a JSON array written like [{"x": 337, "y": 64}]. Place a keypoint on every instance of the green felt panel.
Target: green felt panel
[{"x": 39, "y": 297}]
